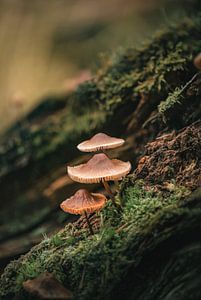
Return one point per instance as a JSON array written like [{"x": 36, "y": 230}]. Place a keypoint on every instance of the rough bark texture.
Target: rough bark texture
[{"x": 152, "y": 250}]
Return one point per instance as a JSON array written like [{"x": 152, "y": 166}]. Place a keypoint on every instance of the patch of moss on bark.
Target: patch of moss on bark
[
  {"x": 132, "y": 85},
  {"x": 153, "y": 71},
  {"x": 92, "y": 265},
  {"x": 183, "y": 102}
]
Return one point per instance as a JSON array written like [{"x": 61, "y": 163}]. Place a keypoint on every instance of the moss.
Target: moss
[
  {"x": 80, "y": 260},
  {"x": 182, "y": 106},
  {"x": 85, "y": 98},
  {"x": 93, "y": 266},
  {"x": 32, "y": 144},
  {"x": 67, "y": 132},
  {"x": 151, "y": 69},
  {"x": 172, "y": 99}
]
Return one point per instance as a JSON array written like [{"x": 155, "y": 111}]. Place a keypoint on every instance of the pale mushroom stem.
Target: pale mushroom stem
[
  {"x": 109, "y": 191},
  {"x": 88, "y": 223}
]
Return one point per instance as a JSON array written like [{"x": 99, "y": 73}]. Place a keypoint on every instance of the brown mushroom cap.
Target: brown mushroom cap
[
  {"x": 99, "y": 168},
  {"x": 83, "y": 201},
  {"x": 197, "y": 61},
  {"x": 100, "y": 141}
]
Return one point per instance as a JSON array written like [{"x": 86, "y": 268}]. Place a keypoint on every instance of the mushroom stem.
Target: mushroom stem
[
  {"x": 110, "y": 193},
  {"x": 88, "y": 223}
]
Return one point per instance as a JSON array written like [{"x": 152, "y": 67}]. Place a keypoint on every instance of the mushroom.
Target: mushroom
[
  {"x": 100, "y": 141},
  {"x": 100, "y": 169},
  {"x": 83, "y": 203},
  {"x": 197, "y": 61}
]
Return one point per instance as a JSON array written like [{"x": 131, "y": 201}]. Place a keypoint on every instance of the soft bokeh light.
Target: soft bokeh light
[{"x": 46, "y": 45}]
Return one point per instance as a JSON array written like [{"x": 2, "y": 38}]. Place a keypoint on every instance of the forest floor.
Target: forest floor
[{"x": 152, "y": 249}]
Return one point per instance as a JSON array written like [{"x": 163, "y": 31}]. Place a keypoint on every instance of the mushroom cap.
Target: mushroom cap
[
  {"x": 83, "y": 201},
  {"x": 100, "y": 141},
  {"x": 197, "y": 61},
  {"x": 99, "y": 168}
]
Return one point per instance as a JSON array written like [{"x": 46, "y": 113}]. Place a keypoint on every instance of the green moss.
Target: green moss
[
  {"x": 67, "y": 132},
  {"x": 93, "y": 265},
  {"x": 155, "y": 69},
  {"x": 29, "y": 270},
  {"x": 85, "y": 98},
  {"x": 78, "y": 259},
  {"x": 37, "y": 143},
  {"x": 172, "y": 99}
]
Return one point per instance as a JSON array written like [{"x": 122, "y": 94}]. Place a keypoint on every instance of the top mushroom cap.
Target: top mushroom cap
[
  {"x": 100, "y": 141},
  {"x": 83, "y": 201},
  {"x": 99, "y": 168}
]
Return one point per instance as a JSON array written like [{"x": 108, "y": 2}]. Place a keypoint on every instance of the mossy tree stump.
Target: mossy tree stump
[{"x": 153, "y": 251}]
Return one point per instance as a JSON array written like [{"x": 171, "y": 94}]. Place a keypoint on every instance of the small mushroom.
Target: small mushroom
[
  {"x": 83, "y": 202},
  {"x": 100, "y": 169},
  {"x": 197, "y": 61},
  {"x": 100, "y": 141}
]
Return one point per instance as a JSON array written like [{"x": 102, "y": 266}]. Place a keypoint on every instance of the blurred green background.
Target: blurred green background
[{"x": 49, "y": 46}]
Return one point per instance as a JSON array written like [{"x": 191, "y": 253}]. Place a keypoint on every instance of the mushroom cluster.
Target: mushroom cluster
[{"x": 99, "y": 169}]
